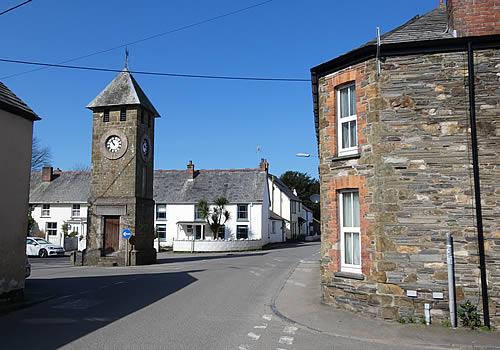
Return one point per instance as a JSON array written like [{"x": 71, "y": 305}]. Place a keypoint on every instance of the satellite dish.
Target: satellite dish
[{"x": 315, "y": 198}]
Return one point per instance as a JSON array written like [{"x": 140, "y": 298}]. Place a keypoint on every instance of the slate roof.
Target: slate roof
[
  {"x": 430, "y": 26},
  {"x": 238, "y": 186},
  {"x": 123, "y": 90},
  {"x": 169, "y": 186},
  {"x": 66, "y": 187},
  {"x": 11, "y": 103},
  {"x": 284, "y": 188}
]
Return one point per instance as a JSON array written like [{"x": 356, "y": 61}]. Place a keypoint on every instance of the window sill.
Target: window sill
[
  {"x": 346, "y": 157},
  {"x": 242, "y": 220},
  {"x": 350, "y": 275}
]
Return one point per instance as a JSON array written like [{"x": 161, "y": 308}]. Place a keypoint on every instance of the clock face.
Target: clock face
[
  {"x": 145, "y": 147},
  {"x": 113, "y": 144}
]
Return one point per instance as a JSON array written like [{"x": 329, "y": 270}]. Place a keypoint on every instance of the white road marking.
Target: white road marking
[
  {"x": 290, "y": 329},
  {"x": 303, "y": 269},
  {"x": 299, "y": 284},
  {"x": 242, "y": 347},
  {"x": 254, "y": 273},
  {"x": 262, "y": 326},
  {"x": 270, "y": 264},
  {"x": 286, "y": 340},
  {"x": 253, "y": 336},
  {"x": 267, "y": 317},
  {"x": 276, "y": 259}
]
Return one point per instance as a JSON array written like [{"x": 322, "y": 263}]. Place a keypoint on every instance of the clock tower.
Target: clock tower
[{"x": 121, "y": 190}]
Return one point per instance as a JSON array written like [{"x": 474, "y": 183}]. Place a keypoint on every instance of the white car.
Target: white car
[{"x": 40, "y": 247}]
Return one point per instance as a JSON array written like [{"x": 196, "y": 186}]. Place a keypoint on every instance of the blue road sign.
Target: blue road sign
[{"x": 126, "y": 233}]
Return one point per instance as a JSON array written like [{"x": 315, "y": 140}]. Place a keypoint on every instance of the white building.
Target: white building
[{"x": 59, "y": 198}]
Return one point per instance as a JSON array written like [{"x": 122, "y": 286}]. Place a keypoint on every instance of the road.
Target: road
[{"x": 201, "y": 301}]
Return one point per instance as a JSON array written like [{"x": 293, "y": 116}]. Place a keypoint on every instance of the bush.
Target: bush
[{"x": 468, "y": 315}]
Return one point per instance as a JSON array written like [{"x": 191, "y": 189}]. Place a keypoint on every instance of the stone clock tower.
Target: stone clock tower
[{"x": 121, "y": 191}]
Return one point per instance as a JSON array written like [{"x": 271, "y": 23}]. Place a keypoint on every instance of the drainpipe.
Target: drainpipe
[
  {"x": 477, "y": 185},
  {"x": 451, "y": 280}
]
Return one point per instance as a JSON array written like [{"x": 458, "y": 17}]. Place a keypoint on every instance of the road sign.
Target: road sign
[{"x": 126, "y": 233}]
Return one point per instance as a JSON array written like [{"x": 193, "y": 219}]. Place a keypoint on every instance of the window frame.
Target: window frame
[
  {"x": 75, "y": 213},
  {"x": 197, "y": 217},
  {"x": 105, "y": 116},
  {"x": 158, "y": 206},
  {"x": 238, "y": 218},
  {"x": 247, "y": 231},
  {"x": 164, "y": 226},
  {"x": 344, "y": 267},
  {"x": 353, "y": 117},
  {"x": 45, "y": 212},
  {"x": 51, "y": 229},
  {"x": 123, "y": 115}
]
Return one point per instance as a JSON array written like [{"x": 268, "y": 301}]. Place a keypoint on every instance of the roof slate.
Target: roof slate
[
  {"x": 10, "y": 102},
  {"x": 169, "y": 186},
  {"x": 284, "y": 188},
  {"x": 123, "y": 90},
  {"x": 430, "y": 26}
]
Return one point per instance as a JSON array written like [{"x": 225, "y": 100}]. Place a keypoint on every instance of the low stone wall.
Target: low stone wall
[{"x": 216, "y": 246}]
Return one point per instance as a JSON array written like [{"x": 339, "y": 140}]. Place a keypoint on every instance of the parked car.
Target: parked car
[
  {"x": 27, "y": 270},
  {"x": 40, "y": 247}
]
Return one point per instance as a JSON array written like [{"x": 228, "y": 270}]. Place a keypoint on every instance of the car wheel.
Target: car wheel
[{"x": 42, "y": 253}]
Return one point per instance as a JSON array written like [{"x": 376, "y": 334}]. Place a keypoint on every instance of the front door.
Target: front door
[{"x": 111, "y": 234}]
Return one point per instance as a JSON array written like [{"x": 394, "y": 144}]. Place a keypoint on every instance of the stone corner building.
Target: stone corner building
[
  {"x": 395, "y": 164},
  {"x": 121, "y": 188}
]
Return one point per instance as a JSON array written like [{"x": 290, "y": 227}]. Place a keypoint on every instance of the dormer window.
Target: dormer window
[
  {"x": 123, "y": 114},
  {"x": 105, "y": 117}
]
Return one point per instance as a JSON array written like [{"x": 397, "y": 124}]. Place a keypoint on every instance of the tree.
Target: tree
[
  {"x": 305, "y": 186},
  {"x": 215, "y": 216},
  {"x": 40, "y": 155}
]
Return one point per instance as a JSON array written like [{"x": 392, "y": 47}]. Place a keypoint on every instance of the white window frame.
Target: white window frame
[
  {"x": 45, "y": 213},
  {"x": 158, "y": 211},
  {"x": 75, "y": 210},
  {"x": 248, "y": 231},
  {"x": 340, "y": 121},
  {"x": 238, "y": 218},
  {"x": 164, "y": 232},
  {"x": 352, "y": 268},
  {"x": 52, "y": 229},
  {"x": 196, "y": 216}
]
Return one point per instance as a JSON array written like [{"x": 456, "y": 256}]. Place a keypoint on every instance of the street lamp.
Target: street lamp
[{"x": 303, "y": 155}]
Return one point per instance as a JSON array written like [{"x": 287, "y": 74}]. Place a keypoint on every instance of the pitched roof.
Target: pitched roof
[
  {"x": 11, "y": 103},
  {"x": 284, "y": 188},
  {"x": 237, "y": 186},
  {"x": 66, "y": 187},
  {"x": 169, "y": 186},
  {"x": 430, "y": 26},
  {"x": 123, "y": 90}
]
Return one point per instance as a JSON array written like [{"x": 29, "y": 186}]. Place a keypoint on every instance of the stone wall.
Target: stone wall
[{"x": 414, "y": 174}]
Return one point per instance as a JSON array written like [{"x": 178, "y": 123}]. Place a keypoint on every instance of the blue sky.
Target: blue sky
[{"x": 217, "y": 124}]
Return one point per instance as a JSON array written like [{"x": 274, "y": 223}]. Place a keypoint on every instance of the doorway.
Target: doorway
[{"x": 111, "y": 234}]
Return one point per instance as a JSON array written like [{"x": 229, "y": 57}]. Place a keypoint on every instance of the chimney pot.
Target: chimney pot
[
  {"x": 264, "y": 165},
  {"x": 190, "y": 169}
]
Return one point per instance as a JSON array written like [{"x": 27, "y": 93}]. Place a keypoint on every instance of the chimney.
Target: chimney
[
  {"x": 473, "y": 17},
  {"x": 264, "y": 165},
  {"x": 190, "y": 169},
  {"x": 47, "y": 174}
]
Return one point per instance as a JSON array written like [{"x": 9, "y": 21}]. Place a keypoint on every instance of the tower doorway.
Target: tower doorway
[{"x": 111, "y": 234}]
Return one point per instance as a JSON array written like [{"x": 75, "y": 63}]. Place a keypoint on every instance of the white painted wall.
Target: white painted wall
[
  {"x": 281, "y": 205},
  {"x": 61, "y": 213}
]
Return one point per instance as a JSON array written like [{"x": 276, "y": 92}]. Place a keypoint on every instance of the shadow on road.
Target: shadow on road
[
  {"x": 174, "y": 258},
  {"x": 82, "y": 305}
]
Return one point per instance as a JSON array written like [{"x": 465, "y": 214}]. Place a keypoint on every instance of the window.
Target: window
[
  {"x": 161, "y": 231},
  {"x": 51, "y": 228},
  {"x": 45, "y": 210},
  {"x": 189, "y": 230},
  {"x": 161, "y": 212},
  {"x": 75, "y": 210},
  {"x": 242, "y": 212},
  {"x": 123, "y": 114},
  {"x": 105, "y": 117},
  {"x": 198, "y": 215},
  {"x": 294, "y": 207},
  {"x": 350, "y": 231},
  {"x": 347, "y": 124},
  {"x": 242, "y": 231},
  {"x": 273, "y": 224}
]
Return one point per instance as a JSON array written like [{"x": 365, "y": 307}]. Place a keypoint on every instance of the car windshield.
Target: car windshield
[{"x": 41, "y": 241}]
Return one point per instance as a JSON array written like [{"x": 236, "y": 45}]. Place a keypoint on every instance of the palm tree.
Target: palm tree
[{"x": 216, "y": 216}]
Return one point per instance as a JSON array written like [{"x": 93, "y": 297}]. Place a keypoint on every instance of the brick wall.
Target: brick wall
[
  {"x": 415, "y": 179},
  {"x": 474, "y": 17}
]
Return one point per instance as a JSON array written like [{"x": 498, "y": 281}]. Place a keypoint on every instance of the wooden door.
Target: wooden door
[{"x": 111, "y": 234}]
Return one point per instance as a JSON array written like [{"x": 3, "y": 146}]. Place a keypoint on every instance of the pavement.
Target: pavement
[
  {"x": 245, "y": 301},
  {"x": 303, "y": 308}
]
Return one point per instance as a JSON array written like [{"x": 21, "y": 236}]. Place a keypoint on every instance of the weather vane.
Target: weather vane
[{"x": 126, "y": 57}]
